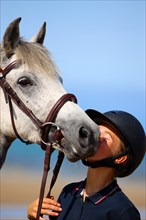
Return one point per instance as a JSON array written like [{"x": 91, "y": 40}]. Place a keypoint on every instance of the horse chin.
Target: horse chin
[
  {"x": 70, "y": 153},
  {"x": 72, "y": 158}
]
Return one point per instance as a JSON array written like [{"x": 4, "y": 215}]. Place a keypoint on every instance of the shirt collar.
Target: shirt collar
[{"x": 99, "y": 196}]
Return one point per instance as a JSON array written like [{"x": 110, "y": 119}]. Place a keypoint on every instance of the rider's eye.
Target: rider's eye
[{"x": 24, "y": 81}]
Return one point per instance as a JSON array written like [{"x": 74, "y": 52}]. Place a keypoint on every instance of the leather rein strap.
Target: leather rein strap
[
  {"x": 51, "y": 118},
  {"x": 46, "y": 144}
]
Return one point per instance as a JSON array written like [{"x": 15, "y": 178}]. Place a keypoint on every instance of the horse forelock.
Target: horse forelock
[
  {"x": 3, "y": 58},
  {"x": 35, "y": 56}
]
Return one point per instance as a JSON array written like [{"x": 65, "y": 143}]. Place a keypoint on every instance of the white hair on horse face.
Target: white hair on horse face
[
  {"x": 37, "y": 58},
  {"x": 74, "y": 150},
  {"x": 3, "y": 59}
]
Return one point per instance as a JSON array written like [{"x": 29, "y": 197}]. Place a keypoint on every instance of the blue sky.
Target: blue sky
[{"x": 98, "y": 46}]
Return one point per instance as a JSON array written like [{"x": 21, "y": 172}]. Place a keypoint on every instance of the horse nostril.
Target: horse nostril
[{"x": 83, "y": 132}]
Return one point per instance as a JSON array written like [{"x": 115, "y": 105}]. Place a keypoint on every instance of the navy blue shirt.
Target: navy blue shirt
[{"x": 108, "y": 204}]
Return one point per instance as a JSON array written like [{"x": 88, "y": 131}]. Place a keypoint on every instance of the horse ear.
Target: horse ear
[
  {"x": 39, "y": 37},
  {"x": 11, "y": 37}
]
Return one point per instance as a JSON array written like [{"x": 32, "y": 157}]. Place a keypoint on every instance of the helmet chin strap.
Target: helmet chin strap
[{"x": 107, "y": 162}]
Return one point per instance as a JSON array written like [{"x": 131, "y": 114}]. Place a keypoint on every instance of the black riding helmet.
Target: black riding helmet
[{"x": 130, "y": 131}]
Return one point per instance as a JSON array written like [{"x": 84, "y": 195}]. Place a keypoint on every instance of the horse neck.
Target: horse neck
[{"x": 5, "y": 143}]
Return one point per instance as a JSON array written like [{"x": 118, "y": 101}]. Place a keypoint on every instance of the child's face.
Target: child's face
[{"x": 108, "y": 146}]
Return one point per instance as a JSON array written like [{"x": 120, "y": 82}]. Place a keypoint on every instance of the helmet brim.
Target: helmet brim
[
  {"x": 101, "y": 119},
  {"x": 98, "y": 117}
]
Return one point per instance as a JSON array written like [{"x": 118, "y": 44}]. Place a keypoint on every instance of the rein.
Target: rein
[{"x": 46, "y": 144}]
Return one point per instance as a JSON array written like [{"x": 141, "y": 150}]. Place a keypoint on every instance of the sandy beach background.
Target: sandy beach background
[
  {"x": 22, "y": 187},
  {"x": 19, "y": 187},
  {"x": 21, "y": 175}
]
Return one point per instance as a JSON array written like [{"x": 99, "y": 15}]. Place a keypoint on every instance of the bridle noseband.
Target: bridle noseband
[{"x": 10, "y": 95}]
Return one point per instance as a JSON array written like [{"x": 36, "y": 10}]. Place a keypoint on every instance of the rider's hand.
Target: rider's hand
[{"x": 49, "y": 207}]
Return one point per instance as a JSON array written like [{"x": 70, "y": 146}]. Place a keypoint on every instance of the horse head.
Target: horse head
[{"x": 37, "y": 83}]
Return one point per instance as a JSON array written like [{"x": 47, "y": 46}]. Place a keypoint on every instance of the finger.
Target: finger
[
  {"x": 49, "y": 213},
  {"x": 48, "y": 201},
  {"x": 51, "y": 206},
  {"x": 42, "y": 218},
  {"x": 54, "y": 208}
]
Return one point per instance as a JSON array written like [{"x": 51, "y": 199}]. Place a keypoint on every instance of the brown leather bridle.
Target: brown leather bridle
[{"x": 46, "y": 144}]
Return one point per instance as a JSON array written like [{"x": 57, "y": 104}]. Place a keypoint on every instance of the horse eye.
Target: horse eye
[{"x": 24, "y": 81}]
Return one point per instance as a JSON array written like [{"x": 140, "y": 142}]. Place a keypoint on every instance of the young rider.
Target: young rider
[{"x": 120, "y": 151}]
